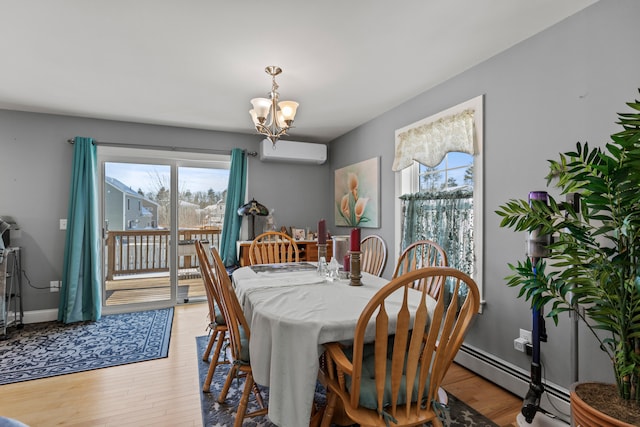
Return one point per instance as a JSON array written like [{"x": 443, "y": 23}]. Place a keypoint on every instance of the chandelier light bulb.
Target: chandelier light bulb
[{"x": 288, "y": 109}]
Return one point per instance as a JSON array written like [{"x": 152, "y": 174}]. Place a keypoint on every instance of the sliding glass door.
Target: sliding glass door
[
  {"x": 154, "y": 207},
  {"x": 201, "y": 203}
]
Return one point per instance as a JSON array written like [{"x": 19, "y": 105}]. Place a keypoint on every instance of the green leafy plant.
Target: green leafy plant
[{"x": 593, "y": 264}]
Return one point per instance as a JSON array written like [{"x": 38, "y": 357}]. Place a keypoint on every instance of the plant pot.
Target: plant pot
[{"x": 585, "y": 415}]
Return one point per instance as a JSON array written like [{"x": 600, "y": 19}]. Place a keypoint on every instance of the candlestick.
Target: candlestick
[
  {"x": 322, "y": 232},
  {"x": 322, "y": 251},
  {"x": 355, "y": 269},
  {"x": 355, "y": 240}
]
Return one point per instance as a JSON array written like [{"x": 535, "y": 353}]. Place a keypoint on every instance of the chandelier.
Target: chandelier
[{"x": 273, "y": 118}]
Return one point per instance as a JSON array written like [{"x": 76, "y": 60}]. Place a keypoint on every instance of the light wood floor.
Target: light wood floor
[
  {"x": 166, "y": 392},
  {"x": 495, "y": 403}
]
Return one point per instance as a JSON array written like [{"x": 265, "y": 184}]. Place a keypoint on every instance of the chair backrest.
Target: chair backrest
[
  {"x": 423, "y": 253},
  {"x": 208, "y": 278},
  {"x": 373, "y": 255},
  {"x": 237, "y": 326},
  {"x": 414, "y": 345},
  {"x": 273, "y": 247}
]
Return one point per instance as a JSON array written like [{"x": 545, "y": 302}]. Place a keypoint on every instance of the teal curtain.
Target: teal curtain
[
  {"x": 446, "y": 218},
  {"x": 235, "y": 199},
  {"x": 80, "y": 294}
]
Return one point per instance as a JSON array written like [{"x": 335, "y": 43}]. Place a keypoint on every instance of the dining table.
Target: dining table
[{"x": 292, "y": 310}]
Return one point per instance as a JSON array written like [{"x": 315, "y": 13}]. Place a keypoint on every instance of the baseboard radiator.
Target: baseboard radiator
[{"x": 555, "y": 399}]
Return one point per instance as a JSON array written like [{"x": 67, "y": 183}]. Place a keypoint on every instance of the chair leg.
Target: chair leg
[
  {"x": 214, "y": 362},
  {"x": 220, "y": 338},
  {"x": 244, "y": 400},
  {"x": 317, "y": 412},
  {"x": 256, "y": 392},
  {"x": 328, "y": 411},
  {"x": 212, "y": 338},
  {"x": 227, "y": 383},
  {"x": 206, "y": 387}
]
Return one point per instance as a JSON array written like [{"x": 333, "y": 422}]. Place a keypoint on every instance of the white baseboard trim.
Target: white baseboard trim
[
  {"x": 38, "y": 316},
  {"x": 555, "y": 399}
]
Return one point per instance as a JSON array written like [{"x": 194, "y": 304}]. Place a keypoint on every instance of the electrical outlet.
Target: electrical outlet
[
  {"x": 526, "y": 335},
  {"x": 520, "y": 344},
  {"x": 54, "y": 286},
  {"x": 63, "y": 224}
]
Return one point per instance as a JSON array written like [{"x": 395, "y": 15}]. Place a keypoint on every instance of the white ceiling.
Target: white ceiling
[{"x": 196, "y": 63}]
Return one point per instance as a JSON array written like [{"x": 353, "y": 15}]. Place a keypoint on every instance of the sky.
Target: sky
[{"x": 146, "y": 177}]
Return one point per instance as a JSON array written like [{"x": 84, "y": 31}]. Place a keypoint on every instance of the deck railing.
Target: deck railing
[{"x": 147, "y": 251}]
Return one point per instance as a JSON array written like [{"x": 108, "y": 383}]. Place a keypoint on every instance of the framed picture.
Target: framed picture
[
  {"x": 298, "y": 233},
  {"x": 285, "y": 230},
  {"x": 357, "y": 194}
]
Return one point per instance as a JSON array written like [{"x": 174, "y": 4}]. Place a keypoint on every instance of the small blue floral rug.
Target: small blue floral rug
[
  {"x": 48, "y": 349},
  {"x": 216, "y": 414}
]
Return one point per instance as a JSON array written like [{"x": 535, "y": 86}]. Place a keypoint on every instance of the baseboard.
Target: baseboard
[
  {"x": 555, "y": 399},
  {"x": 38, "y": 316}
]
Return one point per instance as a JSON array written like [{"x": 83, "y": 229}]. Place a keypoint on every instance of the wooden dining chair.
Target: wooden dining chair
[
  {"x": 273, "y": 247},
  {"x": 423, "y": 253},
  {"x": 217, "y": 324},
  {"x": 401, "y": 352},
  {"x": 239, "y": 336},
  {"x": 373, "y": 255}
]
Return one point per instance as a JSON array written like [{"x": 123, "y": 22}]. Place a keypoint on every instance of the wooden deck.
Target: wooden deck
[{"x": 132, "y": 290}]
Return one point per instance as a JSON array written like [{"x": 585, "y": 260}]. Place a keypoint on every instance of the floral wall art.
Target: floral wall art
[{"x": 357, "y": 194}]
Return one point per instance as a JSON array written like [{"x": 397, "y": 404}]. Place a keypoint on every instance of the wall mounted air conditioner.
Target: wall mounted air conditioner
[{"x": 293, "y": 152}]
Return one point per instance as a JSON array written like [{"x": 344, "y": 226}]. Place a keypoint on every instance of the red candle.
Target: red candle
[
  {"x": 322, "y": 232},
  {"x": 346, "y": 264},
  {"x": 355, "y": 240}
]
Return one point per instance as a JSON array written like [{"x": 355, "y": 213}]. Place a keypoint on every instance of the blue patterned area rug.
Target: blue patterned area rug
[
  {"x": 216, "y": 414},
  {"x": 48, "y": 349}
]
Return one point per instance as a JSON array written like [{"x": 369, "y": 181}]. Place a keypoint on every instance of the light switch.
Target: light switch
[{"x": 63, "y": 224}]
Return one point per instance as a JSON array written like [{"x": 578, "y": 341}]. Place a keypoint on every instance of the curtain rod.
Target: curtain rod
[{"x": 160, "y": 147}]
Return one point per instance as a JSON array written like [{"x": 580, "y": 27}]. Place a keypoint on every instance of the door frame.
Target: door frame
[{"x": 175, "y": 160}]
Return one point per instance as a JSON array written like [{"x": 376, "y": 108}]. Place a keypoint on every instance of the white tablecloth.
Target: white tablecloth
[{"x": 289, "y": 323}]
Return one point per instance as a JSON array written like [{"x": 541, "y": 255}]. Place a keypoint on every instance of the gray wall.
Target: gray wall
[
  {"x": 543, "y": 95},
  {"x": 35, "y": 163},
  {"x": 563, "y": 85}
]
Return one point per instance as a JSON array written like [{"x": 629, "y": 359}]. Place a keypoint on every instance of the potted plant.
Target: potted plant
[{"x": 593, "y": 263}]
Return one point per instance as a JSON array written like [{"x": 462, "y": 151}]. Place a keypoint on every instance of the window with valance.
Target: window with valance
[
  {"x": 438, "y": 195},
  {"x": 428, "y": 143}
]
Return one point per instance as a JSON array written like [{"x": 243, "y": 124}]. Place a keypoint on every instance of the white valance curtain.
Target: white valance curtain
[{"x": 428, "y": 143}]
